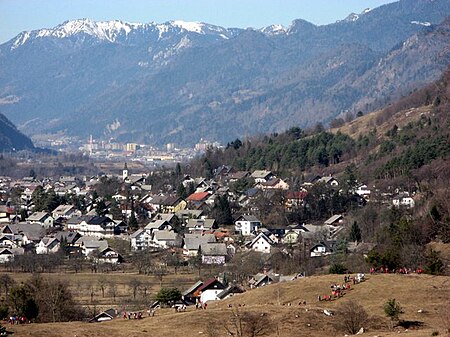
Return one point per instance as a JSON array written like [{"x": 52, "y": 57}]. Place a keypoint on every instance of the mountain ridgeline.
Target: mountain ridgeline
[{"x": 179, "y": 82}]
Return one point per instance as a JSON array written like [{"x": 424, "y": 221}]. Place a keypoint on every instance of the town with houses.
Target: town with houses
[
  {"x": 181, "y": 224},
  {"x": 113, "y": 150}
]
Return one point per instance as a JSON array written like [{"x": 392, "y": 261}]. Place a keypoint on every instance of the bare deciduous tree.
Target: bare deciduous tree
[
  {"x": 248, "y": 324},
  {"x": 351, "y": 317}
]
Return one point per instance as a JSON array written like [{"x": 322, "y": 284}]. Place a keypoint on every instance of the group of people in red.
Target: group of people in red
[
  {"x": 17, "y": 319},
  {"x": 386, "y": 270},
  {"x": 338, "y": 290},
  {"x": 132, "y": 315}
]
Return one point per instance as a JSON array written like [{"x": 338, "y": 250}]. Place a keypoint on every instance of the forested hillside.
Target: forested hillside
[{"x": 380, "y": 148}]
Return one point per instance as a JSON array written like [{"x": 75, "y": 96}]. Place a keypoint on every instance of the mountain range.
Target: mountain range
[{"x": 181, "y": 81}]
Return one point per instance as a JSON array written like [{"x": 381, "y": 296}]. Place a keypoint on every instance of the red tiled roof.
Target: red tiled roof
[{"x": 199, "y": 196}]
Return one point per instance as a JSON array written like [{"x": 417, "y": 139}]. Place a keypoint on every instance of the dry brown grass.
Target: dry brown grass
[
  {"x": 363, "y": 125},
  {"x": 414, "y": 292},
  {"x": 82, "y": 284}
]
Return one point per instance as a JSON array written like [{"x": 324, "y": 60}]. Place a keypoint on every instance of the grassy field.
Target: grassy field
[
  {"x": 430, "y": 294},
  {"x": 83, "y": 285}
]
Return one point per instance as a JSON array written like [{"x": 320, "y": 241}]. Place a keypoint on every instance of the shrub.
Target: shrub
[
  {"x": 351, "y": 317},
  {"x": 337, "y": 268},
  {"x": 393, "y": 309}
]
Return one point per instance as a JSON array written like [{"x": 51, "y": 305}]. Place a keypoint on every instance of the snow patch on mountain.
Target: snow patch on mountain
[
  {"x": 196, "y": 27},
  {"x": 273, "y": 30},
  {"x": 352, "y": 17},
  {"x": 426, "y": 24}
]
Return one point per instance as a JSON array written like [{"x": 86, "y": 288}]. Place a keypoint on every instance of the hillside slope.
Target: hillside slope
[
  {"x": 414, "y": 292},
  {"x": 12, "y": 139}
]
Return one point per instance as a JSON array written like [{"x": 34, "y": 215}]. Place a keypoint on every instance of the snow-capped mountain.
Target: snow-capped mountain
[
  {"x": 178, "y": 81},
  {"x": 119, "y": 32}
]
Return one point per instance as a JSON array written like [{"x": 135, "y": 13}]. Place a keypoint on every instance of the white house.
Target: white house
[
  {"x": 321, "y": 249},
  {"x": 98, "y": 226},
  {"x": 140, "y": 239},
  {"x": 42, "y": 218},
  {"x": 261, "y": 243},
  {"x": 65, "y": 211},
  {"x": 404, "y": 202},
  {"x": 209, "y": 290},
  {"x": 166, "y": 239},
  {"x": 47, "y": 245},
  {"x": 247, "y": 224}
]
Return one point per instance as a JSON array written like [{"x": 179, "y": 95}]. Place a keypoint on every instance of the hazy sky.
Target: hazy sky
[{"x": 19, "y": 15}]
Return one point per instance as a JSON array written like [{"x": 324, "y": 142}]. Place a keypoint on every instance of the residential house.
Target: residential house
[
  {"x": 273, "y": 184},
  {"x": 262, "y": 279},
  {"x": 363, "y": 191},
  {"x": 97, "y": 226},
  {"x": 238, "y": 176},
  {"x": 403, "y": 201},
  {"x": 8, "y": 254},
  {"x": 247, "y": 224},
  {"x": 230, "y": 291},
  {"x": 48, "y": 245},
  {"x": 209, "y": 290},
  {"x": 5, "y": 213},
  {"x": 195, "y": 225},
  {"x": 291, "y": 237},
  {"x": 261, "y": 243},
  {"x": 42, "y": 218},
  {"x": 166, "y": 239},
  {"x": 193, "y": 242},
  {"x": 189, "y": 295},
  {"x": 335, "y": 220},
  {"x": 322, "y": 248},
  {"x": 329, "y": 180},
  {"x": 140, "y": 240},
  {"x": 187, "y": 214},
  {"x": 108, "y": 255},
  {"x": 262, "y": 176},
  {"x": 105, "y": 316},
  {"x": 196, "y": 199},
  {"x": 90, "y": 245},
  {"x": 157, "y": 225},
  {"x": 65, "y": 212},
  {"x": 294, "y": 199},
  {"x": 173, "y": 204},
  {"x": 214, "y": 253}
]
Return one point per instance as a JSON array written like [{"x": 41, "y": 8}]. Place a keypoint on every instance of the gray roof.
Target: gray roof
[
  {"x": 206, "y": 223},
  {"x": 137, "y": 233},
  {"x": 194, "y": 241},
  {"x": 69, "y": 237},
  {"x": 333, "y": 219},
  {"x": 194, "y": 213},
  {"x": 34, "y": 232},
  {"x": 247, "y": 217},
  {"x": 63, "y": 209},
  {"x": 158, "y": 224},
  {"x": 261, "y": 174},
  {"x": 165, "y": 236},
  {"x": 214, "y": 249},
  {"x": 197, "y": 285},
  {"x": 163, "y": 216},
  {"x": 37, "y": 216}
]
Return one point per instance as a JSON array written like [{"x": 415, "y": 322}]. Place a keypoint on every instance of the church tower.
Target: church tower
[{"x": 125, "y": 172}]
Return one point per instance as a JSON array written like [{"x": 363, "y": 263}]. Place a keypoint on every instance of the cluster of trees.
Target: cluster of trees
[
  {"x": 39, "y": 299},
  {"x": 284, "y": 152}
]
